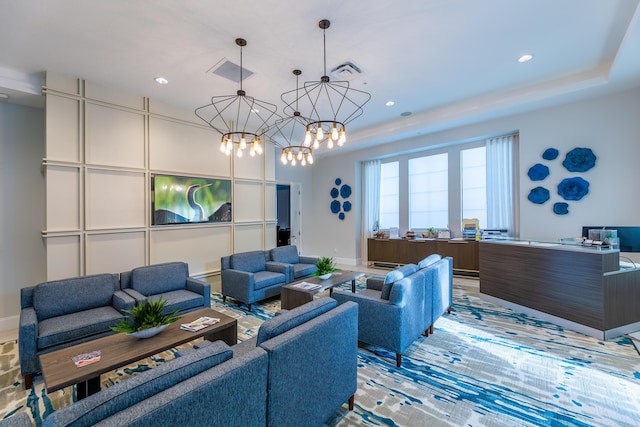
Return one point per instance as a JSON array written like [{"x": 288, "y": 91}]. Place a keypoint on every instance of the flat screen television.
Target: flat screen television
[
  {"x": 629, "y": 237},
  {"x": 183, "y": 199}
]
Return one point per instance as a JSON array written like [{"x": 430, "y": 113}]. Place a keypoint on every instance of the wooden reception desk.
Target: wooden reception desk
[
  {"x": 405, "y": 251},
  {"x": 580, "y": 288}
]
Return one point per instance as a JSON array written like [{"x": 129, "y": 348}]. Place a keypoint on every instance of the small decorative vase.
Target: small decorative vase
[
  {"x": 325, "y": 276},
  {"x": 148, "y": 333}
]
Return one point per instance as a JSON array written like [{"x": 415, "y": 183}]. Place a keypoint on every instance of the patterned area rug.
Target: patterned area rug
[{"x": 483, "y": 366}]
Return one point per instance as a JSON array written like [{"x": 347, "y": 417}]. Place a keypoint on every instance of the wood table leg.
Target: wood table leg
[{"x": 87, "y": 388}]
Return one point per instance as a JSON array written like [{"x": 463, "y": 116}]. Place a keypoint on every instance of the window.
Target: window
[
  {"x": 474, "y": 184},
  {"x": 389, "y": 195},
  {"x": 429, "y": 191}
]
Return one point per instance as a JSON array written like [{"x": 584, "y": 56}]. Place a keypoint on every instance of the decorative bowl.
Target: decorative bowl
[
  {"x": 325, "y": 276},
  {"x": 148, "y": 333}
]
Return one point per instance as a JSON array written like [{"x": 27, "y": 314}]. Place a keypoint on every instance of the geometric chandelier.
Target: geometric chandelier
[
  {"x": 241, "y": 120},
  {"x": 287, "y": 133},
  {"x": 327, "y": 106}
]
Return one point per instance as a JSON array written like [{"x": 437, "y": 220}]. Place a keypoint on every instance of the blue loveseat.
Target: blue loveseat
[
  {"x": 303, "y": 266},
  {"x": 252, "y": 276},
  {"x": 61, "y": 313},
  {"x": 169, "y": 281}
]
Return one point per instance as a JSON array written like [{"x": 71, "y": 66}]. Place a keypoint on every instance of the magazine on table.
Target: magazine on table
[
  {"x": 87, "y": 358},
  {"x": 199, "y": 323},
  {"x": 307, "y": 286}
]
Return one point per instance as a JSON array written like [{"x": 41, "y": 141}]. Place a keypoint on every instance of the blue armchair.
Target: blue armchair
[
  {"x": 439, "y": 288},
  {"x": 250, "y": 276},
  {"x": 62, "y": 313},
  {"x": 393, "y": 316},
  {"x": 303, "y": 266},
  {"x": 169, "y": 281}
]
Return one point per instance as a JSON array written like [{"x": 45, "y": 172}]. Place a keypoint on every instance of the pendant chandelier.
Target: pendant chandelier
[
  {"x": 241, "y": 120},
  {"x": 286, "y": 133},
  {"x": 329, "y": 106}
]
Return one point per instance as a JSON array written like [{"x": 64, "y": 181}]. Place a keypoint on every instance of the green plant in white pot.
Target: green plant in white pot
[
  {"x": 146, "y": 319},
  {"x": 326, "y": 266}
]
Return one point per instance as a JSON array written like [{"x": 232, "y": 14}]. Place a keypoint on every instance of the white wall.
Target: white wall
[
  {"x": 609, "y": 125},
  {"x": 22, "y": 255}
]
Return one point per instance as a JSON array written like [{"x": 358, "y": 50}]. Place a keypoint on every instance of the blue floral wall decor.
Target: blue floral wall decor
[
  {"x": 343, "y": 191},
  {"x": 579, "y": 160},
  {"x": 539, "y": 195},
  {"x": 573, "y": 188},
  {"x": 550, "y": 154},
  {"x": 561, "y": 208},
  {"x": 538, "y": 172}
]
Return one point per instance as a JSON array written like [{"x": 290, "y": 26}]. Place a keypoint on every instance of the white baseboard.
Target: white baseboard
[{"x": 9, "y": 323}]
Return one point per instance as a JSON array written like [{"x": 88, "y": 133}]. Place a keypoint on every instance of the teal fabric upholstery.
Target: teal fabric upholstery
[
  {"x": 169, "y": 281},
  {"x": 61, "y": 313},
  {"x": 303, "y": 266},
  {"x": 250, "y": 277}
]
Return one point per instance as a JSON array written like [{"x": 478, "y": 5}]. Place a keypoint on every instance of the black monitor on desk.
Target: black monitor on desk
[{"x": 628, "y": 236}]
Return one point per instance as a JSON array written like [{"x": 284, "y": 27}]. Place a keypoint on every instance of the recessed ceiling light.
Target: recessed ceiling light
[
  {"x": 406, "y": 113},
  {"x": 161, "y": 80},
  {"x": 389, "y": 103},
  {"x": 525, "y": 58}
]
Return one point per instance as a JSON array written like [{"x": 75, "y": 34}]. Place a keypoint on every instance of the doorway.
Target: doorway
[{"x": 289, "y": 210}]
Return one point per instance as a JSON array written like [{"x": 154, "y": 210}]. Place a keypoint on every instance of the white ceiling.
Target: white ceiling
[{"x": 448, "y": 62}]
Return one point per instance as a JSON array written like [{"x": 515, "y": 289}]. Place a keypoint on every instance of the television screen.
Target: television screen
[
  {"x": 629, "y": 237},
  {"x": 181, "y": 199}
]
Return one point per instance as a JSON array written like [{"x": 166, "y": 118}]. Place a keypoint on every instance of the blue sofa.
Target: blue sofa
[
  {"x": 169, "y": 281},
  {"x": 303, "y": 266},
  {"x": 299, "y": 369},
  {"x": 61, "y": 313},
  {"x": 211, "y": 386},
  {"x": 252, "y": 276}
]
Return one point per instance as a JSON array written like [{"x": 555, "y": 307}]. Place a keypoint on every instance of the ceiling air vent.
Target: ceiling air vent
[
  {"x": 347, "y": 71},
  {"x": 230, "y": 71}
]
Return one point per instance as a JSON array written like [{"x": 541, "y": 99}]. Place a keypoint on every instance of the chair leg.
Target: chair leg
[
  {"x": 249, "y": 307},
  {"x": 224, "y": 298},
  {"x": 431, "y": 329},
  {"x": 426, "y": 332},
  {"x": 28, "y": 381},
  {"x": 398, "y": 360},
  {"x": 352, "y": 401},
  {"x": 449, "y": 310}
]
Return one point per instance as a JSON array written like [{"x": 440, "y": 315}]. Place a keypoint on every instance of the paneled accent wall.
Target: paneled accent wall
[{"x": 102, "y": 149}]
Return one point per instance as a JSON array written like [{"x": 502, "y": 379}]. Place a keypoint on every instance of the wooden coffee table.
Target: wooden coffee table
[
  {"x": 119, "y": 350},
  {"x": 292, "y": 296}
]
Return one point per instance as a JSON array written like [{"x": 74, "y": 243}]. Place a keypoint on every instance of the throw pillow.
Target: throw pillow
[{"x": 428, "y": 261}]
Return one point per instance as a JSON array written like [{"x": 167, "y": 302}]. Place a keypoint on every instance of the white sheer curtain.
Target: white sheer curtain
[
  {"x": 370, "y": 201},
  {"x": 501, "y": 161}
]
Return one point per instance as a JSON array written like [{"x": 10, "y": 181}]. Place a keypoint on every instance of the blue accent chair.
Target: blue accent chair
[
  {"x": 251, "y": 276},
  {"x": 61, "y": 313},
  {"x": 313, "y": 361},
  {"x": 392, "y": 316},
  {"x": 439, "y": 281},
  {"x": 303, "y": 266},
  {"x": 169, "y": 281}
]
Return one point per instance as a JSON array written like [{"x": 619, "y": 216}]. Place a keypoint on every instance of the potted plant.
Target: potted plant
[
  {"x": 146, "y": 319},
  {"x": 326, "y": 266}
]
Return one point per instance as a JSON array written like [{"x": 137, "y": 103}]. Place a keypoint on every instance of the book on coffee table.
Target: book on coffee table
[
  {"x": 198, "y": 324},
  {"x": 307, "y": 286},
  {"x": 87, "y": 358}
]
